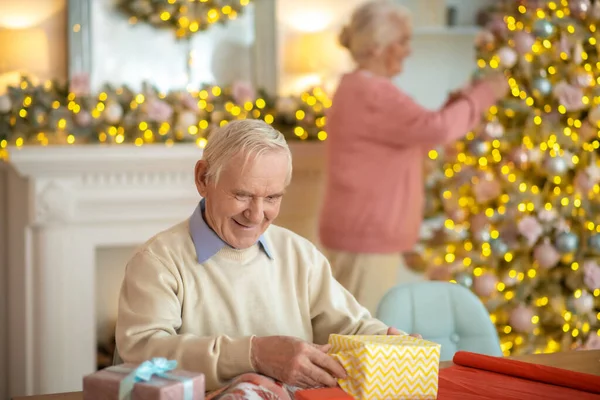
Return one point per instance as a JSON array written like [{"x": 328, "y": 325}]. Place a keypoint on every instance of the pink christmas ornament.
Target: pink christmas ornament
[
  {"x": 591, "y": 275},
  {"x": 83, "y": 118},
  {"x": 523, "y": 42},
  {"x": 487, "y": 189},
  {"x": 478, "y": 222},
  {"x": 520, "y": 319},
  {"x": 485, "y": 285},
  {"x": 531, "y": 229},
  {"x": 546, "y": 255},
  {"x": 582, "y": 182}
]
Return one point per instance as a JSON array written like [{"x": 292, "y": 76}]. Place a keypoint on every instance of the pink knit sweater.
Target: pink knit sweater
[{"x": 377, "y": 140}]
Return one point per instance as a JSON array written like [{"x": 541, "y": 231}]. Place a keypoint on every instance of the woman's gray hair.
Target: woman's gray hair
[
  {"x": 373, "y": 26},
  {"x": 252, "y": 137}
]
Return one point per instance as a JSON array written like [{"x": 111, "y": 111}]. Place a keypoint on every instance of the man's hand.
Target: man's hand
[
  {"x": 393, "y": 332},
  {"x": 295, "y": 362}
]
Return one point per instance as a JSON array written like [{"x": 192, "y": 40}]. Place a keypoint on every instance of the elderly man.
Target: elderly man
[{"x": 227, "y": 293}]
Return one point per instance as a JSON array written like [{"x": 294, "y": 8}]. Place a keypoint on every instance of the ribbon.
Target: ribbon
[{"x": 159, "y": 367}]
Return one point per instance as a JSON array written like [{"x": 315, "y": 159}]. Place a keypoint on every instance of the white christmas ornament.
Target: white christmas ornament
[
  {"x": 186, "y": 119},
  {"x": 508, "y": 57}
]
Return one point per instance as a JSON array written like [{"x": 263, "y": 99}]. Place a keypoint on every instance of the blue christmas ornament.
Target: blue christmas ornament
[
  {"x": 594, "y": 243},
  {"x": 567, "y": 242},
  {"x": 541, "y": 87},
  {"x": 498, "y": 247},
  {"x": 543, "y": 29}
]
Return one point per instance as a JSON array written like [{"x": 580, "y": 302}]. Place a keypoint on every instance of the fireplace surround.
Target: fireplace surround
[{"x": 62, "y": 203}]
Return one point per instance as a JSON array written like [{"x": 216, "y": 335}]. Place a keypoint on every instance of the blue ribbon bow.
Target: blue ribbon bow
[{"x": 159, "y": 367}]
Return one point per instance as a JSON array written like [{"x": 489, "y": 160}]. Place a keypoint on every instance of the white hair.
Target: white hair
[
  {"x": 372, "y": 27},
  {"x": 251, "y": 137}
]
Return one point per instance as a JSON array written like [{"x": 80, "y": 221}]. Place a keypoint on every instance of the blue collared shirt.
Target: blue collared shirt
[{"x": 206, "y": 241}]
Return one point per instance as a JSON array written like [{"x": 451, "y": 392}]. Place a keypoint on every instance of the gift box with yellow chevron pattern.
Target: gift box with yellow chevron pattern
[{"x": 387, "y": 367}]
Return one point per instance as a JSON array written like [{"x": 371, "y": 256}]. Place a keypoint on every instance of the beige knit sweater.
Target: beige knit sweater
[{"x": 204, "y": 315}]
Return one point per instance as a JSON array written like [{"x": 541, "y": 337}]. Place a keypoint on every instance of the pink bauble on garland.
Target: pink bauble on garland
[
  {"x": 485, "y": 285},
  {"x": 520, "y": 319}
]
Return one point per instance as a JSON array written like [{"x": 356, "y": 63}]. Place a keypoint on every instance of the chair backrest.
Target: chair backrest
[{"x": 444, "y": 313}]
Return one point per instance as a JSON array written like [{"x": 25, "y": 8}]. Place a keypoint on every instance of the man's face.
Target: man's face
[{"x": 246, "y": 198}]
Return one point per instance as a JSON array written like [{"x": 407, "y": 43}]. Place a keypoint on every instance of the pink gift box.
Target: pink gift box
[{"x": 167, "y": 385}]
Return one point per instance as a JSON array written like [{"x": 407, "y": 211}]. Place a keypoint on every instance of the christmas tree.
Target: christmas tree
[{"x": 513, "y": 210}]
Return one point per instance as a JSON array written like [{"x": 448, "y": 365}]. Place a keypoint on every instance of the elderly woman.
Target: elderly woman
[
  {"x": 227, "y": 293},
  {"x": 378, "y": 138}
]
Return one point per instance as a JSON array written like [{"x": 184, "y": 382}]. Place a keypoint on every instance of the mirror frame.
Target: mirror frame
[{"x": 264, "y": 52}]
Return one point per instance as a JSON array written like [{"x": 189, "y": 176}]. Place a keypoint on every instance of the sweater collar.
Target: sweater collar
[{"x": 207, "y": 242}]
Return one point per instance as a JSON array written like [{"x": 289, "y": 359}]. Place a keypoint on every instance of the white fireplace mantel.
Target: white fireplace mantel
[{"x": 66, "y": 202}]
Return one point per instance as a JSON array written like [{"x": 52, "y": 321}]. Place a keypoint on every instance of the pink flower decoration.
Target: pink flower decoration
[
  {"x": 80, "y": 85},
  {"x": 242, "y": 92},
  {"x": 569, "y": 96},
  {"x": 158, "y": 110},
  {"x": 531, "y": 229},
  {"x": 591, "y": 275}
]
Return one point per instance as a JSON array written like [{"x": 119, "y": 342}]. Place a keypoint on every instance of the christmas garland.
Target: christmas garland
[
  {"x": 65, "y": 114},
  {"x": 184, "y": 17}
]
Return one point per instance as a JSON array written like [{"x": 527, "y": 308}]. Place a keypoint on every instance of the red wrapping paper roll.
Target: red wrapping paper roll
[{"x": 533, "y": 372}]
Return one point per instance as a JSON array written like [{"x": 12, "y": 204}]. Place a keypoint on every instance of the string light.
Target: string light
[
  {"x": 70, "y": 119},
  {"x": 183, "y": 17}
]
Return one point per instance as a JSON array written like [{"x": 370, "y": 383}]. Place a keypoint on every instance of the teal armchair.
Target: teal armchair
[{"x": 444, "y": 313}]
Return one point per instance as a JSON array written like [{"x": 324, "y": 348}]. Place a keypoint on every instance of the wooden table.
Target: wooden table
[{"x": 581, "y": 361}]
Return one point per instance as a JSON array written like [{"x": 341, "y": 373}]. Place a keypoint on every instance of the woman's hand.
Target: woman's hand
[{"x": 296, "y": 362}]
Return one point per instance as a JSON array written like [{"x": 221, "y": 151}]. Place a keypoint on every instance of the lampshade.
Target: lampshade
[
  {"x": 24, "y": 51},
  {"x": 27, "y": 13},
  {"x": 315, "y": 53}
]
